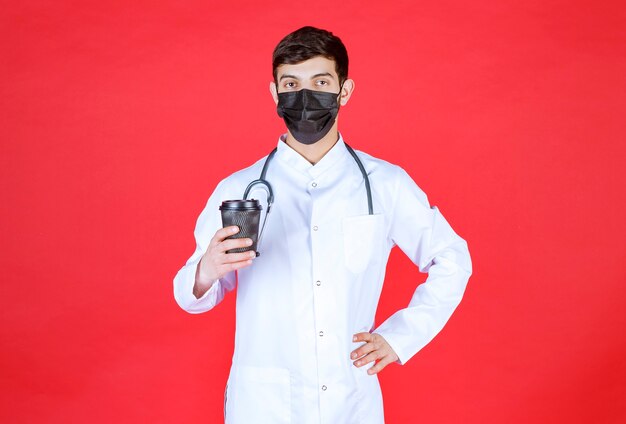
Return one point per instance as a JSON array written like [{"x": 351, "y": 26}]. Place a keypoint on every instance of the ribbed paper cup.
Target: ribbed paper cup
[{"x": 245, "y": 214}]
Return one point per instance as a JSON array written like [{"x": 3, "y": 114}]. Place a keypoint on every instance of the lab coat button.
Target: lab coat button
[
  {"x": 324, "y": 388},
  {"x": 313, "y": 185},
  {"x": 321, "y": 334},
  {"x": 318, "y": 283},
  {"x": 315, "y": 228}
]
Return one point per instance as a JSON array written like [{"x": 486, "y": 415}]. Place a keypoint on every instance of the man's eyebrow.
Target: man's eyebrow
[
  {"x": 282, "y": 77},
  {"x": 323, "y": 74}
]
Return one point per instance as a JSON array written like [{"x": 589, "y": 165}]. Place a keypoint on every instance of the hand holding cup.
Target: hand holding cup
[{"x": 216, "y": 263}]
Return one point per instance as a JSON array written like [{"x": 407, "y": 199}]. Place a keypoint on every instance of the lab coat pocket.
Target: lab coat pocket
[
  {"x": 362, "y": 238},
  {"x": 263, "y": 396}
]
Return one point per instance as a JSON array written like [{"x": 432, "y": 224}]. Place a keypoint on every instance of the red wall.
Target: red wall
[{"x": 118, "y": 118}]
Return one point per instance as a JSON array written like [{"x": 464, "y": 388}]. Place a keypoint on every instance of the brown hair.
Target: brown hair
[{"x": 308, "y": 42}]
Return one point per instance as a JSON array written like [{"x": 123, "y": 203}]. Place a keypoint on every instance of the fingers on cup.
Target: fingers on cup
[
  {"x": 223, "y": 233},
  {"x": 233, "y": 258},
  {"x": 237, "y": 265},
  {"x": 235, "y": 244}
]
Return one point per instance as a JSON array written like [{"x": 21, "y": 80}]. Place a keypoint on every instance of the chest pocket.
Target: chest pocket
[{"x": 362, "y": 239}]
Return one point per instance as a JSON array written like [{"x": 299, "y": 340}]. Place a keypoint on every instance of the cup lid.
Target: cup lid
[{"x": 245, "y": 204}]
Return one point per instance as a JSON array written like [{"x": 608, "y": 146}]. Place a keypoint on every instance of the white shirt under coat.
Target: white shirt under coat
[{"x": 318, "y": 281}]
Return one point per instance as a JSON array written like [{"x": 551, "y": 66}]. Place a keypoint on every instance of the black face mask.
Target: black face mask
[{"x": 309, "y": 114}]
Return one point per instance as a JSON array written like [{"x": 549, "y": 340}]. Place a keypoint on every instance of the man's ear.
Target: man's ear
[
  {"x": 274, "y": 92},
  {"x": 346, "y": 91}
]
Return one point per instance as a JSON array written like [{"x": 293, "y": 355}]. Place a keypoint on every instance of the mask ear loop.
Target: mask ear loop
[
  {"x": 339, "y": 95},
  {"x": 268, "y": 188}
]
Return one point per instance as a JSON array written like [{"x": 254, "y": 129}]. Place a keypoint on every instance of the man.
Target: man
[{"x": 306, "y": 350}]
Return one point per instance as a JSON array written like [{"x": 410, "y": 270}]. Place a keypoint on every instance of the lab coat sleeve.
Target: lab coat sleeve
[
  {"x": 208, "y": 223},
  {"x": 428, "y": 240}
]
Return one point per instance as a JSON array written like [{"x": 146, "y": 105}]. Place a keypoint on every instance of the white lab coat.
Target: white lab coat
[{"x": 318, "y": 281}]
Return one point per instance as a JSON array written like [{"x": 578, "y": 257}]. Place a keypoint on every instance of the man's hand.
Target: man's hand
[
  {"x": 375, "y": 348},
  {"x": 216, "y": 263}
]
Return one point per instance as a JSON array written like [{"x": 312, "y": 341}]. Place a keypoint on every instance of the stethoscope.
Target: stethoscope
[{"x": 270, "y": 193}]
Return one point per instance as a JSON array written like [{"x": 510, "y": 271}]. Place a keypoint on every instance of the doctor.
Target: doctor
[{"x": 307, "y": 349}]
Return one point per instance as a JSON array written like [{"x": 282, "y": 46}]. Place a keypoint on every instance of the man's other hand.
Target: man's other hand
[{"x": 376, "y": 349}]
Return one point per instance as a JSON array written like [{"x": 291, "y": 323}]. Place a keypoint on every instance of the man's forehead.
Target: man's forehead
[{"x": 311, "y": 68}]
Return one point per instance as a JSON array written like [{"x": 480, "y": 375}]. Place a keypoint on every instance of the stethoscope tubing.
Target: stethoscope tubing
[{"x": 270, "y": 193}]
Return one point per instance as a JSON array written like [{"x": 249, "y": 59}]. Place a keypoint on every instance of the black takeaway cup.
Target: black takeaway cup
[{"x": 245, "y": 214}]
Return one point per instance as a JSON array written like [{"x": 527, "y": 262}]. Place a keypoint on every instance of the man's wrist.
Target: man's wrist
[{"x": 202, "y": 283}]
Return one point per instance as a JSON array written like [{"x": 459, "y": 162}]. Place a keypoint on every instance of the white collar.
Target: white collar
[{"x": 294, "y": 159}]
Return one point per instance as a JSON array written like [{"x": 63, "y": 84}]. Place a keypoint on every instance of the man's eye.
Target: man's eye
[
  {"x": 290, "y": 84},
  {"x": 321, "y": 82}
]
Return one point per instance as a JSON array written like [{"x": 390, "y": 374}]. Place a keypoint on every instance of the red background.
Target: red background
[{"x": 118, "y": 119}]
